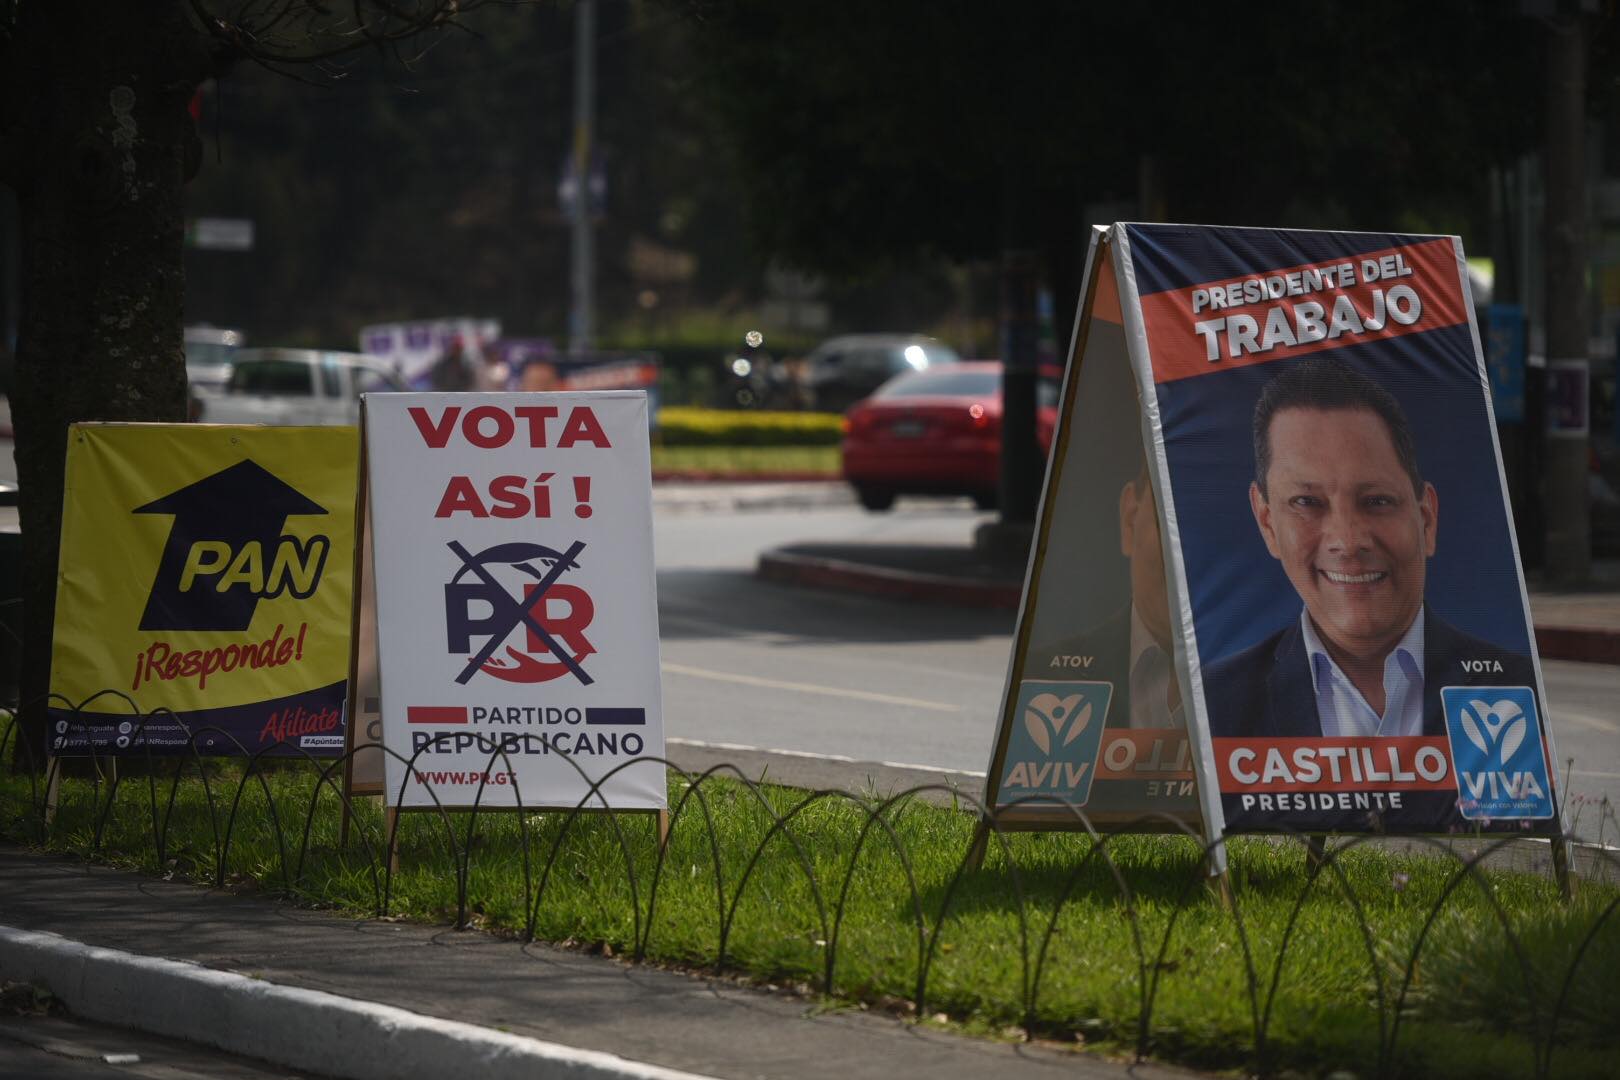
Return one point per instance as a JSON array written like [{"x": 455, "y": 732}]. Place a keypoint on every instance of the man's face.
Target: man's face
[
  {"x": 1340, "y": 514},
  {"x": 1139, "y": 542}
]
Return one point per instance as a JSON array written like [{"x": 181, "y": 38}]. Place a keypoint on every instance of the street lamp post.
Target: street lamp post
[
  {"x": 1569, "y": 532},
  {"x": 580, "y": 250}
]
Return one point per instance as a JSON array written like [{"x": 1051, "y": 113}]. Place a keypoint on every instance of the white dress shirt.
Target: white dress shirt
[{"x": 1340, "y": 707}]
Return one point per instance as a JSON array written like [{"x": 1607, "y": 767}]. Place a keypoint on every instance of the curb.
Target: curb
[
  {"x": 703, "y": 497},
  {"x": 289, "y": 1026},
  {"x": 720, "y": 476},
  {"x": 815, "y": 570},
  {"x": 1583, "y": 644},
  {"x": 1587, "y": 644}
]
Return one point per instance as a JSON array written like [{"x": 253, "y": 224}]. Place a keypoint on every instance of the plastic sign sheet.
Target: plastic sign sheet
[
  {"x": 1093, "y": 721},
  {"x": 205, "y": 575},
  {"x": 516, "y": 615},
  {"x": 1353, "y": 634}
]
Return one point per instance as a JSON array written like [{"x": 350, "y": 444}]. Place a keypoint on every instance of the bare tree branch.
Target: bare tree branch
[{"x": 287, "y": 32}]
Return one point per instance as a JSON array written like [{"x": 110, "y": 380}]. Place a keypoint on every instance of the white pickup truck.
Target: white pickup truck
[{"x": 296, "y": 386}]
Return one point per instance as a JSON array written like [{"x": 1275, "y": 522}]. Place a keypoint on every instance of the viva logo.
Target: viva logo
[
  {"x": 1052, "y": 749},
  {"x": 1496, "y": 746}
]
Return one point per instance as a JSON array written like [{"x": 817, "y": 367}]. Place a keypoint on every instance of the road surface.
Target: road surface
[
  {"x": 67, "y": 1048},
  {"x": 750, "y": 663}
]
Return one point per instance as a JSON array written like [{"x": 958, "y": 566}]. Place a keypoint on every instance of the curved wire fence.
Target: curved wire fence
[{"x": 1398, "y": 963}]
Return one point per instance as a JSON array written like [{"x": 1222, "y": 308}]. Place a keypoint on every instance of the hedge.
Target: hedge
[{"x": 686, "y": 426}]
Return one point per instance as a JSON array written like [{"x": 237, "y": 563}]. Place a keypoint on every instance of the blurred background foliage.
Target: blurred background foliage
[{"x": 890, "y": 150}]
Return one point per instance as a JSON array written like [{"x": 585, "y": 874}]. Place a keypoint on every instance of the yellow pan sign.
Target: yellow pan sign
[{"x": 206, "y": 576}]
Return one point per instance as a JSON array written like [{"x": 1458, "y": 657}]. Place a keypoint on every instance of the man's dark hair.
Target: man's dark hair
[{"x": 1331, "y": 385}]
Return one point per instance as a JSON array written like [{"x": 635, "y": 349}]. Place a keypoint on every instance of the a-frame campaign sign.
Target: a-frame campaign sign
[
  {"x": 1078, "y": 744},
  {"x": 516, "y": 634},
  {"x": 205, "y": 572},
  {"x": 1350, "y": 648}
]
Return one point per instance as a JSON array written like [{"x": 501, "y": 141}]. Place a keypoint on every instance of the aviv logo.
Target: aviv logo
[
  {"x": 225, "y": 550},
  {"x": 1052, "y": 749},
  {"x": 508, "y": 586},
  {"x": 1496, "y": 748}
]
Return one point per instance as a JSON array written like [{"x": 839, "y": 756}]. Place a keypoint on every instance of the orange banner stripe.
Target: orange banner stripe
[
  {"x": 1239, "y": 322},
  {"x": 1105, "y": 305}
]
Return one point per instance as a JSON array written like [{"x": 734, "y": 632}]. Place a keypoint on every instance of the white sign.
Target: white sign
[
  {"x": 516, "y": 614},
  {"x": 222, "y": 234}
]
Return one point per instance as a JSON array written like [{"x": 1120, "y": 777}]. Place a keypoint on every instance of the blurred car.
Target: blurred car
[
  {"x": 210, "y": 352},
  {"x": 844, "y": 370},
  {"x": 298, "y": 386},
  {"x": 936, "y": 432}
]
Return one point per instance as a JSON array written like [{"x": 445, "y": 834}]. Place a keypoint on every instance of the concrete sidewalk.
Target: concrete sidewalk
[{"x": 367, "y": 998}]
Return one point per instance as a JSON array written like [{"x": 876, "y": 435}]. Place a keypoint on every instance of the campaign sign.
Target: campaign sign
[
  {"x": 1096, "y": 616},
  {"x": 1342, "y": 555},
  {"x": 517, "y": 624},
  {"x": 205, "y": 573},
  {"x": 1496, "y": 745},
  {"x": 1053, "y": 752},
  {"x": 414, "y": 347}
]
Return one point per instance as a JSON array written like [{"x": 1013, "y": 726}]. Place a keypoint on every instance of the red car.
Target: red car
[{"x": 936, "y": 432}]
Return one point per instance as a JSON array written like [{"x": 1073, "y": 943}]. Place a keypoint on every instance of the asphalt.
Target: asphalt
[
  {"x": 1581, "y": 625},
  {"x": 341, "y": 997}
]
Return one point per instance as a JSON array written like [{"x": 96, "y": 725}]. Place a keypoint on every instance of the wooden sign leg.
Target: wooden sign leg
[
  {"x": 1561, "y": 868},
  {"x": 53, "y": 789},
  {"x": 1221, "y": 885},
  {"x": 976, "y": 849},
  {"x": 1218, "y": 878},
  {"x": 663, "y": 828},
  {"x": 390, "y": 828},
  {"x": 1315, "y": 850}
]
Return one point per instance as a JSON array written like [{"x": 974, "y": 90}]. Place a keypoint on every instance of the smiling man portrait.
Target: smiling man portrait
[{"x": 1341, "y": 504}]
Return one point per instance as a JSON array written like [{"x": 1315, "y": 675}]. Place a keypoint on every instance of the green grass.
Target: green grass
[
  {"x": 748, "y": 461},
  {"x": 1467, "y": 1013}
]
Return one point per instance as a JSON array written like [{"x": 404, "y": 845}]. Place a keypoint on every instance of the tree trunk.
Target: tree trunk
[{"x": 98, "y": 144}]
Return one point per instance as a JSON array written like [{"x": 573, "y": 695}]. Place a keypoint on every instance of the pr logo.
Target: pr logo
[
  {"x": 1495, "y": 741},
  {"x": 501, "y": 589},
  {"x": 1053, "y": 752}
]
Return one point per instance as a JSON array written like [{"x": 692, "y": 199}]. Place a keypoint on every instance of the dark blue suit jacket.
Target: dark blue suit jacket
[{"x": 1265, "y": 691}]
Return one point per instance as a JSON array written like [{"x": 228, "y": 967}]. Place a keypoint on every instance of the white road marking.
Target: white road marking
[
  {"x": 840, "y": 758},
  {"x": 1595, "y": 723},
  {"x": 808, "y": 688}
]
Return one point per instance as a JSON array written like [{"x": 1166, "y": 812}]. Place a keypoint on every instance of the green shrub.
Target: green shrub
[{"x": 684, "y": 426}]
